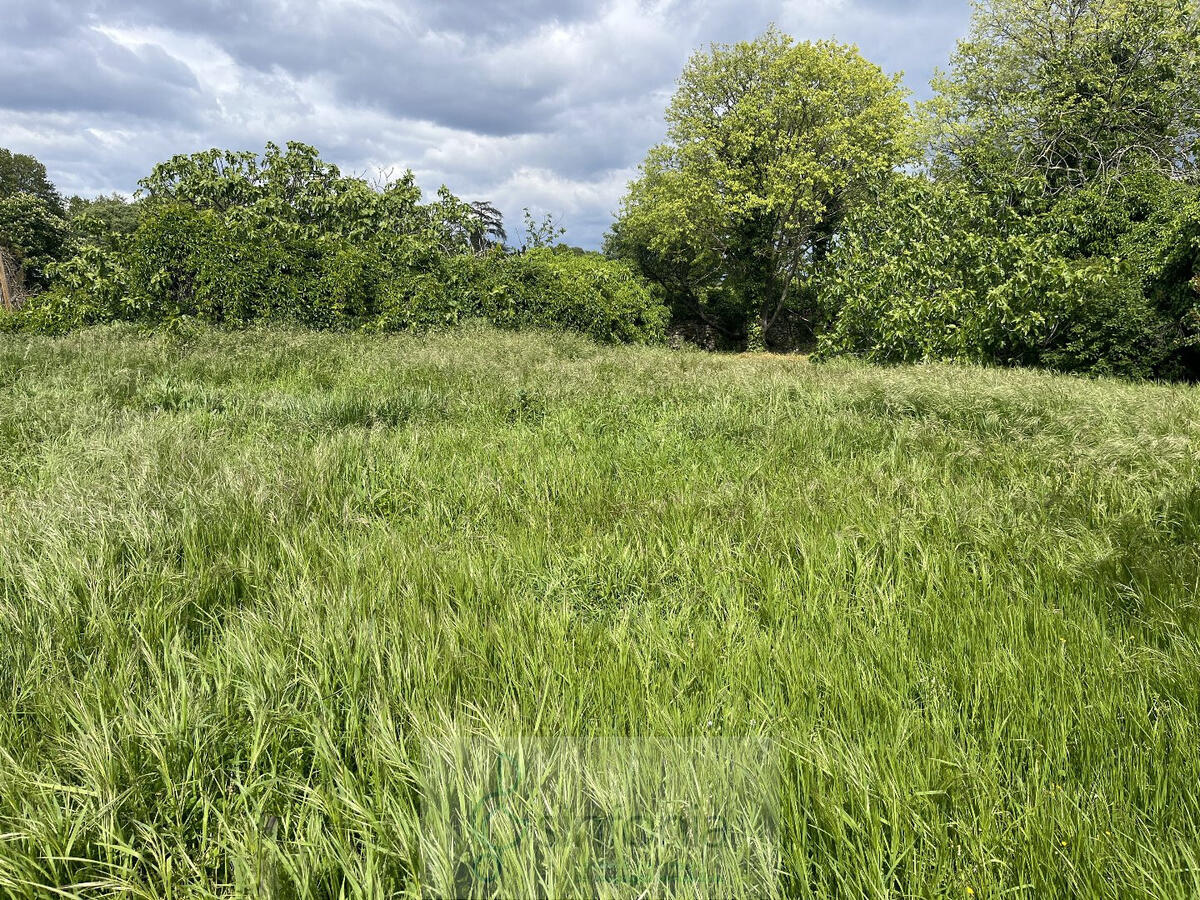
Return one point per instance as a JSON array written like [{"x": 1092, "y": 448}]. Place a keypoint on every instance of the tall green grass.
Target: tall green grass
[{"x": 246, "y": 577}]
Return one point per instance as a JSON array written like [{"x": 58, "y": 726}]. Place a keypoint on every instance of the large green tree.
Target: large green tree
[
  {"x": 1060, "y": 226},
  {"x": 1046, "y": 96},
  {"x": 24, "y": 174},
  {"x": 770, "y": 143},
  {"x": 103, "y": 221},
  {"x": 291, "y": 192},
  {"x": 33, "y": 230}
]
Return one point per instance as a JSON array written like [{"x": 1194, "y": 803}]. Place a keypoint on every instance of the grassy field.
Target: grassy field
[{"x": 248, "y": 580}]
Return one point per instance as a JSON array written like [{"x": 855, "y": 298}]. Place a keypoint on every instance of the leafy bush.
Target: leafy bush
[
  {"x": 539, "y": 289},
  {"x": 222, "y": 238},
  {"x": 33, "y": 229},
  {"x": 543, "y": 288},
  {"x": 1152, "y": 224},
  {"x": 89, "y": 288},
  {"x": 938, "y": 271},
  {"x": 102, "y": 220},
  {"x": 34, "y": 234},
  {"x": 185, "y": 262}
]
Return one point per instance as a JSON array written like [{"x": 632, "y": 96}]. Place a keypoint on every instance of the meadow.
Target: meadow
[{"x": 246, "y": 576}]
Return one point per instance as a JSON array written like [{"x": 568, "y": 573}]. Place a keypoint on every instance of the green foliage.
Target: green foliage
[
  {"x": 103, "y": 221},
  {"x": 1061, "y": 227},
  {"x": 228, "y": 238},
  {"x": 1056, "y": 223},
  {"x": 90, "y": 287},
  {"x": 1054, "y": 94},
  {"x": 33, "y": 233},
  {"x": 488, "y": 231},
  {"x": 545, "y": 288},
  {"x": 541, "y": 233},
  {"x": 539, "y": 289},
  {"x": 1152, "y": 223},
  {"x": 23, "y": 174},
  {"x": 770, "y": 144},
  {"x": 939, "y": 271},
  {"x": 223, "y": 238},
  {"x": 292, "y": 194},
  {"x": 197, "y": 263},
  {"x": 689, "y": 289},
  {"x": 1101, "y": 284}
]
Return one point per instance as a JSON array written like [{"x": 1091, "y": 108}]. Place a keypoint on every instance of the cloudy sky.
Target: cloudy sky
[{"x": 549, "y": 104}]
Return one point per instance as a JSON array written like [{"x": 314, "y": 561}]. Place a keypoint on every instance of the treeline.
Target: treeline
[
  {"x": 237, "y": 237},
  {"x": 1042, "y": 209}
]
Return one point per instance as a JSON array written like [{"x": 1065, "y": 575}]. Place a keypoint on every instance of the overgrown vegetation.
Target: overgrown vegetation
[
  {"x": 1100, "y": 282},
  {"x": 1042, "y": 209},
  {"x": 1054, "y": 222},
  {"x": 235, "y": 238},
  {"x": 272, "y": 537},
  {"x": 1059, "y": 223},
  {"x": 770, "y": 142},
  {"x": 246, "y": 577}
]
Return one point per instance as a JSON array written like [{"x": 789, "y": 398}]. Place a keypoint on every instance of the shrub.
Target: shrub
[
  {"x": 34, "y": 234},
  {"x": 1164, "y": 248},
  {"x": 937, "y": 271},
  {"x": 219, "y": 268},
  {"x": 588, "y": 293},
  {"x": 1152, "y": 225},
  {"x": 539, "y": 289},
  {"x": 102, "y": 220},
  {"x": 226, "y": 238},
  {"x": 413, "y": 300}
]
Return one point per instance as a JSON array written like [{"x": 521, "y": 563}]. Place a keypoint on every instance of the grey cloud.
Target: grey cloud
[
  {"x": 82, "y": 70},
  {"x": 498, "y": 18},
  {"x": 532, "y": 102},
  {"x": 441, "y": 62}
]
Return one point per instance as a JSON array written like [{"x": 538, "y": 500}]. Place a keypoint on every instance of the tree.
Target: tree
[
  {"x": 488, "y": 230},
  {"x": 33, "y": 232},
  {"x": 770, "y": 143},
  {"x": 23, "y": 174},
  {"x": 939, "y": 270},
  {"x": 541, "y": 233},
  {"x": 33, "y": 235},
  {"x": 1051, "y": 95},
  {"x": 291, "y": 193},
  {"x": 102, "y": 220}
]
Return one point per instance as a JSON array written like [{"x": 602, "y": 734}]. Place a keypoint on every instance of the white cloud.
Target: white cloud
[{"x": 549, "y": 105}]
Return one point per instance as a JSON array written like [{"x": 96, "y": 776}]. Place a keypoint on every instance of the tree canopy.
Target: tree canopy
[
  {"x": 33, "y": 230},
  {"x": 23, "y": 174},
  {"x": 1061, "y": 93},
  {"x": 1058, "y": 221},
  {"x": 770, "y": 143}
]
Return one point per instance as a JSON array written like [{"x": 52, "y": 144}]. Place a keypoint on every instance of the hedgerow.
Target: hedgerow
[{"x": 230, "y": 239}]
